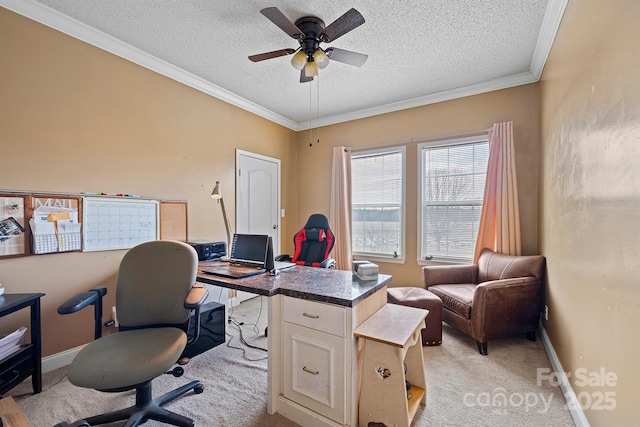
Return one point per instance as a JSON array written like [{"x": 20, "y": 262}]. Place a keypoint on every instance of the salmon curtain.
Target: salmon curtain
[
  {"x": 340, "y": 207},
  {"x": 499, "y": 228}
]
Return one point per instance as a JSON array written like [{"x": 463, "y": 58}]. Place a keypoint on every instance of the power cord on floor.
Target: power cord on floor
[
  {"x": 238, "y": 326},
  {"x": 243, "y": 341}
]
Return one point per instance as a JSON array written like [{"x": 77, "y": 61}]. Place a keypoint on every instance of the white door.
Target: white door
[{"x": 257, "y": 198}]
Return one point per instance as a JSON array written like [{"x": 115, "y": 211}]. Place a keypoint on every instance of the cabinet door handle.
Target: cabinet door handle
[
  {"x": 304, "y": 368},
  {"x": 313, "y": 316}
]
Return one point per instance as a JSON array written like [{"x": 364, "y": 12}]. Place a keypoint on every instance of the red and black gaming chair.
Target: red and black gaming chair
[{"x": 313, "y": 244}]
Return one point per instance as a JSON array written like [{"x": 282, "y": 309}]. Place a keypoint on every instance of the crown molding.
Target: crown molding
[
  {"x": 447, "y": 95},
  {"x": 74, "y": 28},
  {"x": 546, "y": 36},
  {"x": 548, "y": 30}
]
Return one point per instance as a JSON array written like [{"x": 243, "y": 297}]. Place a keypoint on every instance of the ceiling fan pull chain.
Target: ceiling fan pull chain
[
  {"x": 310, "y": 119},
  {"x": 318, "y": 109}
]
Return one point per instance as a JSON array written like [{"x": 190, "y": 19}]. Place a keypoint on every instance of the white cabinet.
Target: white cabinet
[
  {"x": 314, "y": 357},
  {"x": 314, "y": 373}
]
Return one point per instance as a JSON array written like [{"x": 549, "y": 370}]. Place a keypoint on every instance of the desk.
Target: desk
[
  {"x": 313, "y": 365},
  {"x": 28, "y": 360}
]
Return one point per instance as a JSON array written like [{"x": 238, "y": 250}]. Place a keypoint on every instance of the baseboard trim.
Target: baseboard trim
[
  {"x": 301, "y": 415},
  {"x": 58, "y": 360},
  {"x": 579, "y": 418}
]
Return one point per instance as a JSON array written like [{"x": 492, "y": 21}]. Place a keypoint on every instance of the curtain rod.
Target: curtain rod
[{"x": 421, "y": 140}]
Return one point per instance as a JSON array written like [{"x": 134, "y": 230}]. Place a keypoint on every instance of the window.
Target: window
[
  {"x": 377, "y": 205},
  {"x": 452, "y": 176}
]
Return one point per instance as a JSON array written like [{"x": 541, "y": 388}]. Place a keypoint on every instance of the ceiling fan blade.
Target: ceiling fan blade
[
  {"x": 285, "y": 24},
  {"x": 346, "y": 56},
  {"x": 304, "y": 78},
  {"x": 347, "y": 22},
  {"x": 269, "y": 55}
]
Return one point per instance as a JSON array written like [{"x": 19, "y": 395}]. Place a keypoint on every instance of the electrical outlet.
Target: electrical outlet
[{"x": 546, "y": 312}]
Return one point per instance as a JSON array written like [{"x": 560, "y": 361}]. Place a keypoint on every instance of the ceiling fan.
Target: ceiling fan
[{"x": 310, "y": 31}]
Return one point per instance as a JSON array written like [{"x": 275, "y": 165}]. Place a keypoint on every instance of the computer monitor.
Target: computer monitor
[{"x": 249, "y": 249}]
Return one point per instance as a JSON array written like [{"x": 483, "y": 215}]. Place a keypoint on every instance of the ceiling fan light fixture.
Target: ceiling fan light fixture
[
  {"x": 299, "y": 60},
  {"x": 310, "y": 31},
  {"x": 311, "y": 69},
  {"x": 321, "y": 59}
]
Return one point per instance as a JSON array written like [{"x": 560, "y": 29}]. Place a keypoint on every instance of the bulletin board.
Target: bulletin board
[
  {"x": 173, "y": 221},
  {"x": 13, "y": 227},
  {"x": 118, "y": 223}
]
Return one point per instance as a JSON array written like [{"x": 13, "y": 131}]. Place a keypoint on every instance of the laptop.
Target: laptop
[{"x": 248, "y": 257}]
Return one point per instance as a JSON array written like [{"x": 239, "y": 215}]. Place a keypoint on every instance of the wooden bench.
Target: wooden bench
[
  {"x": 12, "y": 415},
  {"x": 392, "y": 356}
]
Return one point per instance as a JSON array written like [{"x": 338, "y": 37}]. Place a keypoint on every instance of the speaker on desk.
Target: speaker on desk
[
  {"x": 269, "y": 262},
  {"x": 209, "y": 250}
]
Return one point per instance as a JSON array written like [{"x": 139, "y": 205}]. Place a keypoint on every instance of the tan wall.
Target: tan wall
[
  {"x": 445, "y": 119},
  {"x": 590, "y": 200},
  {"x": 74, "y": 118}
]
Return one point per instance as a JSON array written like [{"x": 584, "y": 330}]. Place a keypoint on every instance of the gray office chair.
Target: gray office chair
[{"x": 154, "y": 299}]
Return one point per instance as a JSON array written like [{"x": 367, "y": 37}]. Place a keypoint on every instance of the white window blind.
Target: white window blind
[
  {"x": 377, "y": 179},
  {"x": 452, "y": 184}
]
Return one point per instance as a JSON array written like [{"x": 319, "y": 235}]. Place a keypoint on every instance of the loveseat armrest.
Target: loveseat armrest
[
  {"x": 513, "y": 291},
  {"x": 449, "y": 274},
  {"x": 505, "y": 307}
]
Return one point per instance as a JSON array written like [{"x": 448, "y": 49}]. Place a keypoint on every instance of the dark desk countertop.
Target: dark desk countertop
[{"x": 315, "y": 284}]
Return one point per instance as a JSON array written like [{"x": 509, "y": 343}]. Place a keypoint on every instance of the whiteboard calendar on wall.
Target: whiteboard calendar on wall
[{"x": 119, "y": 223}]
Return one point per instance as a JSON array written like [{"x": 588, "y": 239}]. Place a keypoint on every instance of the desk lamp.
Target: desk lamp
[{"x": 217, "y": 194}]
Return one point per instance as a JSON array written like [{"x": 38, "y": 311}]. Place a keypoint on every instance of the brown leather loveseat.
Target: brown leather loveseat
[{"x": 498, "y": 297}]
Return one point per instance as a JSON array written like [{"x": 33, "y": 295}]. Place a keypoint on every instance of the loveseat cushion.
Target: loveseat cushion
[{"x": 456, "y": 298}]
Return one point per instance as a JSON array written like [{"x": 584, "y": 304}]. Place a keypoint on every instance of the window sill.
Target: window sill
[
  {"x": 444, "y": 261},
  {"x": 378, "y": 258}
]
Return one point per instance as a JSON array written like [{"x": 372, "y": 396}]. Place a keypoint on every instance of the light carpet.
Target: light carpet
[{"x": 464, "y": 388}]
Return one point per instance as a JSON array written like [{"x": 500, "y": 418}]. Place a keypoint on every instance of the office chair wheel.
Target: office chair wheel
[
  {"x": 198, "y": 389},
  {"x": 176, "y": 372}
]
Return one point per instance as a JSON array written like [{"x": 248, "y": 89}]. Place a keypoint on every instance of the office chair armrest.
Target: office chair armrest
[
  {"x": 196, "y": 297},
  {"x": 328, "y": 263},
  {"x": 283, "y": 258},
  {"x": 82, "y": 300}
]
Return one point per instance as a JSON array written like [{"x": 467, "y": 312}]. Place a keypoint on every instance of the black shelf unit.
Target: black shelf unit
[{"x": 28, "y": 360}]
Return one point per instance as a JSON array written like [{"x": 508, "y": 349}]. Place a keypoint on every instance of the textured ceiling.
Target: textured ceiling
[{"x": 419, "y": 51}]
